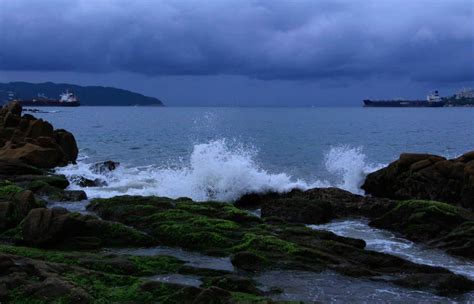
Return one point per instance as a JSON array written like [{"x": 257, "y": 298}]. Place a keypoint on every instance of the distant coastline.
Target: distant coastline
[{"x": 89, "y": 95}]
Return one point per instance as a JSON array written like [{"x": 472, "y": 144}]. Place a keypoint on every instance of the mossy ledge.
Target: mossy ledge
[
  {"x": 438, "y": 224},
  {"x": 254, "y": 244},
  {"x": 31, "y": 275}
]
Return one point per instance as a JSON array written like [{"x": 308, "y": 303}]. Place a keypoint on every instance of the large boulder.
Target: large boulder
[
  {"x": 15, "y": 206},
  {"x": 33, "y": 141},
  {"x": 424, "y": 176},
  {"x": 315, "y": 206},
  {"x": 12, "y": 167},
  {"x": 57, "y": 228}
]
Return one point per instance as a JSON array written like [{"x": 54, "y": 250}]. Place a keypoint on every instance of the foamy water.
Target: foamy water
[
  {"x": 219, "y": 170},
  {"x": 384, "y": 241}
]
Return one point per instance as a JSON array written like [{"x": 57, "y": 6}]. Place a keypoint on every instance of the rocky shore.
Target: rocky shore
[{"x": 49, "y": 254}]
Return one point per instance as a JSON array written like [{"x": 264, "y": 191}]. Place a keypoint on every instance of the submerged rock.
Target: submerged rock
[
  {"x": 33, "y": 141},
  {"x": 104, "y": 167},
  {"x": 424, "y": 176},
  {"x": 86, "y": 182}
]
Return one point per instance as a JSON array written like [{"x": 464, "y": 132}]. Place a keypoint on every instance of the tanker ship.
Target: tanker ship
[
  {"x": 66, "y": 99},
  {"x": 432, "y": 100}
]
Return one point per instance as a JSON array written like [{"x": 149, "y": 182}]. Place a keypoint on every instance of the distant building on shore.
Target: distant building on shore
[{"x": 465, "y": 93}]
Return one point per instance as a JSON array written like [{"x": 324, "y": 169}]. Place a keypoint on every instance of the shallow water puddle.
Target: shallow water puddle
[
  {"x": 79, "y": 207},
  {"x": 385, "y": 241},
  {"x": 176, "y": 278},
  {"x": 193, "y": 259},
  {"x": 330, "y": 287}
]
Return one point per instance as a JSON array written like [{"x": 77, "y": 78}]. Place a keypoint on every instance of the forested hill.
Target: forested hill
[{"x": 88, "y": 96}]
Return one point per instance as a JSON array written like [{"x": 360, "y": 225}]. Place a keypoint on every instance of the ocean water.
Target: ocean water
[{"x": 222, "y": 153}]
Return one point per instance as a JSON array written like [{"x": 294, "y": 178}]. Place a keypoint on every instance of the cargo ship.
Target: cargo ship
[
  {"x": 66, "y": 99},
  {"x": 433, "y": 100}
]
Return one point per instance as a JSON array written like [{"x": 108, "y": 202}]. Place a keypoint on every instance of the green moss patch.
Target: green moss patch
[{"x": 422, "y": 220}]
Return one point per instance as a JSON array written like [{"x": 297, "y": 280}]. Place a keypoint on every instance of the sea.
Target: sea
[{"x": 222, "y": 153}]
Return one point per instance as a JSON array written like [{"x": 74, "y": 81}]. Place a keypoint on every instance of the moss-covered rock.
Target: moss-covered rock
[
  {"x": 57, "y": 181},
  {"x": 421, "y": 220},
  {"x": 424, "y": 176},
  {"x": 53, "y": 193},
  {"x": 440, "y": 225},
  {"x": 255, "y": 244},
  {"x": 42, "y": 276},
  {"x": 60, "y": 229},
  {"x": 315, "y": 206},
  {"x": 110, "y": 263},
  {"x": 15, "y": 206},
  {"x": 459, "y": 241},
  {"x": 7, "y": 189},
  {"x": 234, "y": 283}
]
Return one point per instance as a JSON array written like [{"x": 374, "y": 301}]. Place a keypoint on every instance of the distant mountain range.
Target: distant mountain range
[{"x": 88, "y": 96}]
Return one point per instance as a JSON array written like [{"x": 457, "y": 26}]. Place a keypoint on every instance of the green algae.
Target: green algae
[
  {"x": 7, "y": 189},
  {"x": 421, "y": 219},
  {"x": 136, "y": 265}
]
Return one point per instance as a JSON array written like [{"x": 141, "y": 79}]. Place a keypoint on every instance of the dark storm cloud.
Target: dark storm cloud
[{"x": 329, "y": 39}]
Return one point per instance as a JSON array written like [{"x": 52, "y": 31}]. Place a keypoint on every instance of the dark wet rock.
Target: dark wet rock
[
  {"x": 299, "y": 211},
  {"x": 14, "y": 208},
  {"x": 421, "y": 220},
  {"x": 255, "y": 245},
  {"x": 72, "y": 196},
  {"x": 440, "y": 225},
  {"x": 86, "y": 182},
  {"x": 28, "y": 280},
  {"x": 213, "y": 295},
  {"x": 424, "y": 176},
  {"x": 248, "y": 261},
  {"x": 57, "y": 227},
  {"x": 12, "y": 167},
  {"x": 104, "y": 167},
  {"x": 32, "y": 141},
  {"x": 234, "y": 283},
  {"x": 316, "y": 205},
  {"x": 58, "y": 195},
  {"x": 442, "y": 285},
  {"x": 67, "y": 142},
  {"x": 459, "y": 241},
  {"x": 76, "y": 277},
  {"x": 52, "y": 187},
  {"x": 180, "y": 294},
  {"x": 35, "y": 183}
]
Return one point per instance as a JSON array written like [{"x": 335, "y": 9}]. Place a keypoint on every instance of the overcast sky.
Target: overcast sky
[{"x": 239, "y": 52}]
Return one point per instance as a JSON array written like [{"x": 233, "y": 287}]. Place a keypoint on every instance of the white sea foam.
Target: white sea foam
[
  {"x": 350, "y": 165},
  {"x": 219, "y": 170}
]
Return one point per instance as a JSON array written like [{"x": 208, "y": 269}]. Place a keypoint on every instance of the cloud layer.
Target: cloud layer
[{"x": 329, "y": 39}]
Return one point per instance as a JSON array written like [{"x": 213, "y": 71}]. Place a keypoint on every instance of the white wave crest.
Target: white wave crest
[
  {"x": 350, "y": 165},
  {"x": 220, "y": 170},
  {"x": 215, "y": 172}
]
